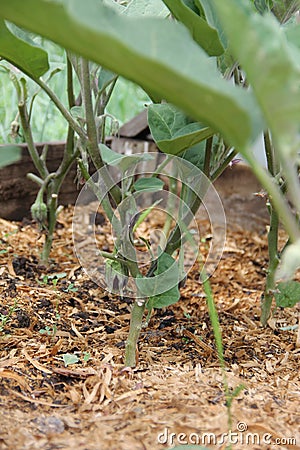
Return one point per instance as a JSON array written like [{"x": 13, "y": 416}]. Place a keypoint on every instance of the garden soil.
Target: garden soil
[{"x": 176, "y": 393}]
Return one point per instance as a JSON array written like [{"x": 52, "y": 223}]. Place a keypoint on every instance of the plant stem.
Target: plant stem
[
  {"x": 89, "y": 115},
  {"x": 52, "y": 207},
  {"x": 66, "y": 114},
  {"x": 208, "y": 150},
  {"x": 175, "y": 237},
  {"x": 39, "y": 164},
  {"x": 292, "y": 180},
  {"x": 136, "y": 320},
  {"x": 268, "y": 295},
  {"x": 92, "y": 142},
  {"x": 273, "y": 263},
  {"x": 276, "y": 197},
  {"x": 269, "y": 151},
  {"x": 170, "y": 208},
  {"x": 223, "y": 165},
  {"x": 70, "y": 85},
  {"x": 214, "y": 319},
  {"x": 104, "y": 201}
]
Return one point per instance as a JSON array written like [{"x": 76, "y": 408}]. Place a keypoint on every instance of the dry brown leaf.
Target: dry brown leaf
[
  {"x": 6, "y": 373},
  {"x": 35, "y": 363}
]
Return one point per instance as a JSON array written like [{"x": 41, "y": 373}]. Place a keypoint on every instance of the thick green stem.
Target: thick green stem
[
  {"x": 268, "y": 295},
  {"x": 89, "y": 115},
  {"x": 92, "y": 142},
  {"x": 174, "y": 240},
  {"x": 52, "y": 207},
  {"x": 136, "y": 320},
  {"x": 273, "y": 263}
]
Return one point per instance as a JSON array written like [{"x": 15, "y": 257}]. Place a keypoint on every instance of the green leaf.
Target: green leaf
[
  {"x": 149, "y": 51},
  {"x": 148, "y": 184},
  {"x": 288, "y": 295},
  {"x": 271, "y": 65},
  {"x": 166, "y": 279},
  {"x": 195, "y": 155},
  {"x": 263, "y": 6},
  {"x": 69, "y": 358},
  {"x": 173, "y": 131},
  {"x": 292, "y": 33},
  {"x": 115, "y": 5},
  {"x": 206, "y": 36},
  {"x": 29, "y": 58},
  {"x": 59, "y": 275},
  {"x": 164, "y": 299},
  {"x": 86, "y": 356},
  {"x": 109, "y": 156},
  {"x": 105, "y": 78},
  {"x": 212, "y": 18},
  {"x": 113, "y": 158},
  {"x": 290, "y": 262},
  {"x": 139, "y": 8},
  {"x": 284, "y": 9},
  {"x": 9, "y": 154},
  {"x": 142, "y": 216},
  {"x": 78, "y": 112}
]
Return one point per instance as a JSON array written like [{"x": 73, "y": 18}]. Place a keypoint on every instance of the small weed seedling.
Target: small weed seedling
[{"x": 5, "y": 318}]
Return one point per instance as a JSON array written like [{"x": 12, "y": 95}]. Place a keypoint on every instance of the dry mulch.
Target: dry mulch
[{"x": 96, "y": 403}]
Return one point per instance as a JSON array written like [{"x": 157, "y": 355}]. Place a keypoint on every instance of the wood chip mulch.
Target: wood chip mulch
[{"x": 47, "y": 402}]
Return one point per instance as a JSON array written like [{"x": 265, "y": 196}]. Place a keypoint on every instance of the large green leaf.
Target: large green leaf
[
  {"x": 292, "y": 32},
  {"x": 205, "y": 35},
  {"x": 30, "y": 59},
  {"x": 271, "y": 65},
  {"x": 288, "y": 294},
  {"x": 165, "y": 281},
  {"x": 157, "y": 54},
  {"x": 164, "y": 299},
  {"x": 212, "y": 18},
  {"x": 173, "y": 131}
]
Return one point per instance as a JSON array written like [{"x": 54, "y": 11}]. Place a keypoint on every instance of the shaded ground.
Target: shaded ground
[{"x": 49, "y": 403}]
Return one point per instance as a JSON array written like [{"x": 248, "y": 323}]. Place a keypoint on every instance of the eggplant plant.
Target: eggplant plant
[
  {"x": 87, "y": 122},
  {"x": 187, "y": 66}
]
